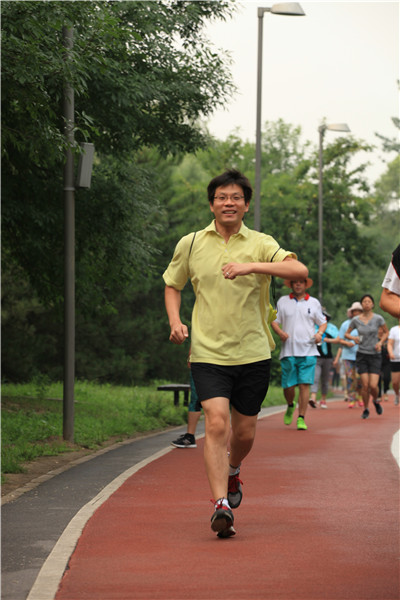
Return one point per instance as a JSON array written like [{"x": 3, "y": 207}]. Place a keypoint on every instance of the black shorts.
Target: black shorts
[
  {"x": 368, "y": 363},
  {"x": 244, "y": 385},
  {"x": 395, "y": 367}
]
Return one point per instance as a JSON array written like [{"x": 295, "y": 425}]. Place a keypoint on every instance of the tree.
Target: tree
[
  {"x": 393, "y": 144},
  {"x": 289, "y": 211},
  {"x": 143, "y": 74},
  {"x": 129, "y": 343}
]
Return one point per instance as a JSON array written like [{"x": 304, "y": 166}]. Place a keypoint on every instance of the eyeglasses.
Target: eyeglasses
[{"x": 224, "y": 197}]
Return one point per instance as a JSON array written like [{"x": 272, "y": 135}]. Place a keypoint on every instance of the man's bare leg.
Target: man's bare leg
[
  {"x": 242, "y": 436},
  {"x": 241, "y": 442},
  {"x": 193, "y": 419},
  {"x": 217, "y": 426},
  {"x": 304, "y": 397},
  {"x": 289, "y": 394},
  {"x": 217, "y": 420}
]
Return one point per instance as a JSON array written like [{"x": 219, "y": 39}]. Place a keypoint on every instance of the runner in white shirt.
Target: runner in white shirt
[
  {"x": 295, "y": 320},
  {"x": 394, "y": 355},
  {"x": 390, "y": 297}
]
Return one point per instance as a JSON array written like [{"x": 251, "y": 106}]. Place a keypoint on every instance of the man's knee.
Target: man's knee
[
  {"x": 243, "y": 435},
  {"x": 217, "y": 424},
  {"x": 244, "y": 429}
]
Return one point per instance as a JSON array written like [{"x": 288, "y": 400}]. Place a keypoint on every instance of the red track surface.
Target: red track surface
[{"x": 319, "y": 520}]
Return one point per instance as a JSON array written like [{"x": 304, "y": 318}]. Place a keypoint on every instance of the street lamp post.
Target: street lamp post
[
  {"x": 69, "y": 251},
  {"x": 321, "y": 129},
  {"x": 287, "y": 9}
]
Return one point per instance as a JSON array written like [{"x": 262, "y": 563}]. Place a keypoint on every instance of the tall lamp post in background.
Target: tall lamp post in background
[
  {"x": 321, "y": 129},
  {"x": 83, "y": 180},
  {"x": 288, "y": 9},
  {"x": 69, "y": 250}
]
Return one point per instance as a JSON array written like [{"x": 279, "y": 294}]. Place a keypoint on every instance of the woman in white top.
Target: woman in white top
[{"x": 393, "y": 347}]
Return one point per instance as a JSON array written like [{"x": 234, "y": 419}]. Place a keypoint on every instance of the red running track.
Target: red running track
[{"x": 319, "y": 520}]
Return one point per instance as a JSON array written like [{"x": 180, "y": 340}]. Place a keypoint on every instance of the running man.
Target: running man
[
  {"x": 230, "y": 267},
  {"x": 297, "y": 314}
]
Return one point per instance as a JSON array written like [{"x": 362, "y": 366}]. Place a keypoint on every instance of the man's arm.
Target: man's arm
[
  {"x": 390, "y": 297},
  {"x": 288, "y": 268},
  {"x": 179, "y": 331},
  {"x": 282, "y": 334},
  {"x": 390, "y": 303},
  {"x": 320, "y": 332}
]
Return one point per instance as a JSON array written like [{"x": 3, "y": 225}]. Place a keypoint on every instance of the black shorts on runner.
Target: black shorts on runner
[
  {"x": 395, "y": 367},
  {"x": 368, "y": 363},
  {"x": 244, "y": 385}
]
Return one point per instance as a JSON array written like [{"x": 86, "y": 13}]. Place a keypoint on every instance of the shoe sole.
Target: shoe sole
[
  {"x": 221, "y": 521},
  {"x": 184, "y": 445},
  {"x": 227, "y": 533},
  {"x": 378, "y": 408}
]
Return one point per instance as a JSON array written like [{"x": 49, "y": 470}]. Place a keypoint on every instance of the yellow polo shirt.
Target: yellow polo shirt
[{"x": 230, "y": 317}]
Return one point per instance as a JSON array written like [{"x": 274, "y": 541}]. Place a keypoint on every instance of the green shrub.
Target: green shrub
[{"x": 32, "y": 417}]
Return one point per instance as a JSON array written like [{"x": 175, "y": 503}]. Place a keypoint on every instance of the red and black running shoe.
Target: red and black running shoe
[
  {"x": 222, "y": 520},
  {"x": 235, "y": 493}
]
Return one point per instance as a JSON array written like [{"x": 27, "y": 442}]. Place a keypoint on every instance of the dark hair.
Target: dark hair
[
  {"x": 367, "y": 296},
  {"x": 232, "y": 176}
]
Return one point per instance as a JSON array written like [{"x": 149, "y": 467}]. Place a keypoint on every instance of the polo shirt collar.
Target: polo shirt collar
[
  {"x": 244, "y": 231},
  {"x": 293, "y": 297}
]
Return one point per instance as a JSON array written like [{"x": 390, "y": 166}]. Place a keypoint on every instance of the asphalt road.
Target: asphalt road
[{"x": 33, "y": 523}]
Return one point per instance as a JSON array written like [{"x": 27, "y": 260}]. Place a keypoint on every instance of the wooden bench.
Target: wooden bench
[{"x": 176, "y": 388}]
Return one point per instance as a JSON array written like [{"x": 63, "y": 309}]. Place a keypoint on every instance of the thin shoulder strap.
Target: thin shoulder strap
[
  {"x": 191, "y": 245},
  {"x": 275, "y": 253},
  {"x": 273, "y": 290}
]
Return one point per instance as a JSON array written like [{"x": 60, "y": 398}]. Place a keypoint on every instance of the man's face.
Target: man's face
[
  {"x": 229, "y": 206},
  {"x": 298, "y": 287}
]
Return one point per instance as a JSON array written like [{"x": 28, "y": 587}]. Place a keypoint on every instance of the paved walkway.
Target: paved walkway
[{"x": 319, "y": 519}]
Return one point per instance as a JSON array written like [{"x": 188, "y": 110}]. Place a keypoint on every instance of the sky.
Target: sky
[{"x": 339, "y": 63}]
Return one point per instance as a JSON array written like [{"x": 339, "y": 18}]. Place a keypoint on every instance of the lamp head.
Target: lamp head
[
  {"x": 292, "y": 9},
  {"x": 338, "y": 127},
  {"x": 289, "y": 9}
]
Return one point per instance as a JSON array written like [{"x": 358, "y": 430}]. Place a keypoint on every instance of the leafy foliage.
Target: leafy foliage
[
  {"x": 128, "y": 343},
  {"x": 393, "y": 144},
  {"x": 143, "y": 73}
]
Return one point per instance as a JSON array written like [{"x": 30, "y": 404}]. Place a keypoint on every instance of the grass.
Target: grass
[{"x": 32, "y": 417}]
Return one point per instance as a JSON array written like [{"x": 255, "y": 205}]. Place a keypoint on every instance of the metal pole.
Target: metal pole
[
  {"x": 257, "y": 195},
  {"x": 321, "y": 131},
  {"x": 69, "y": 253}
]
